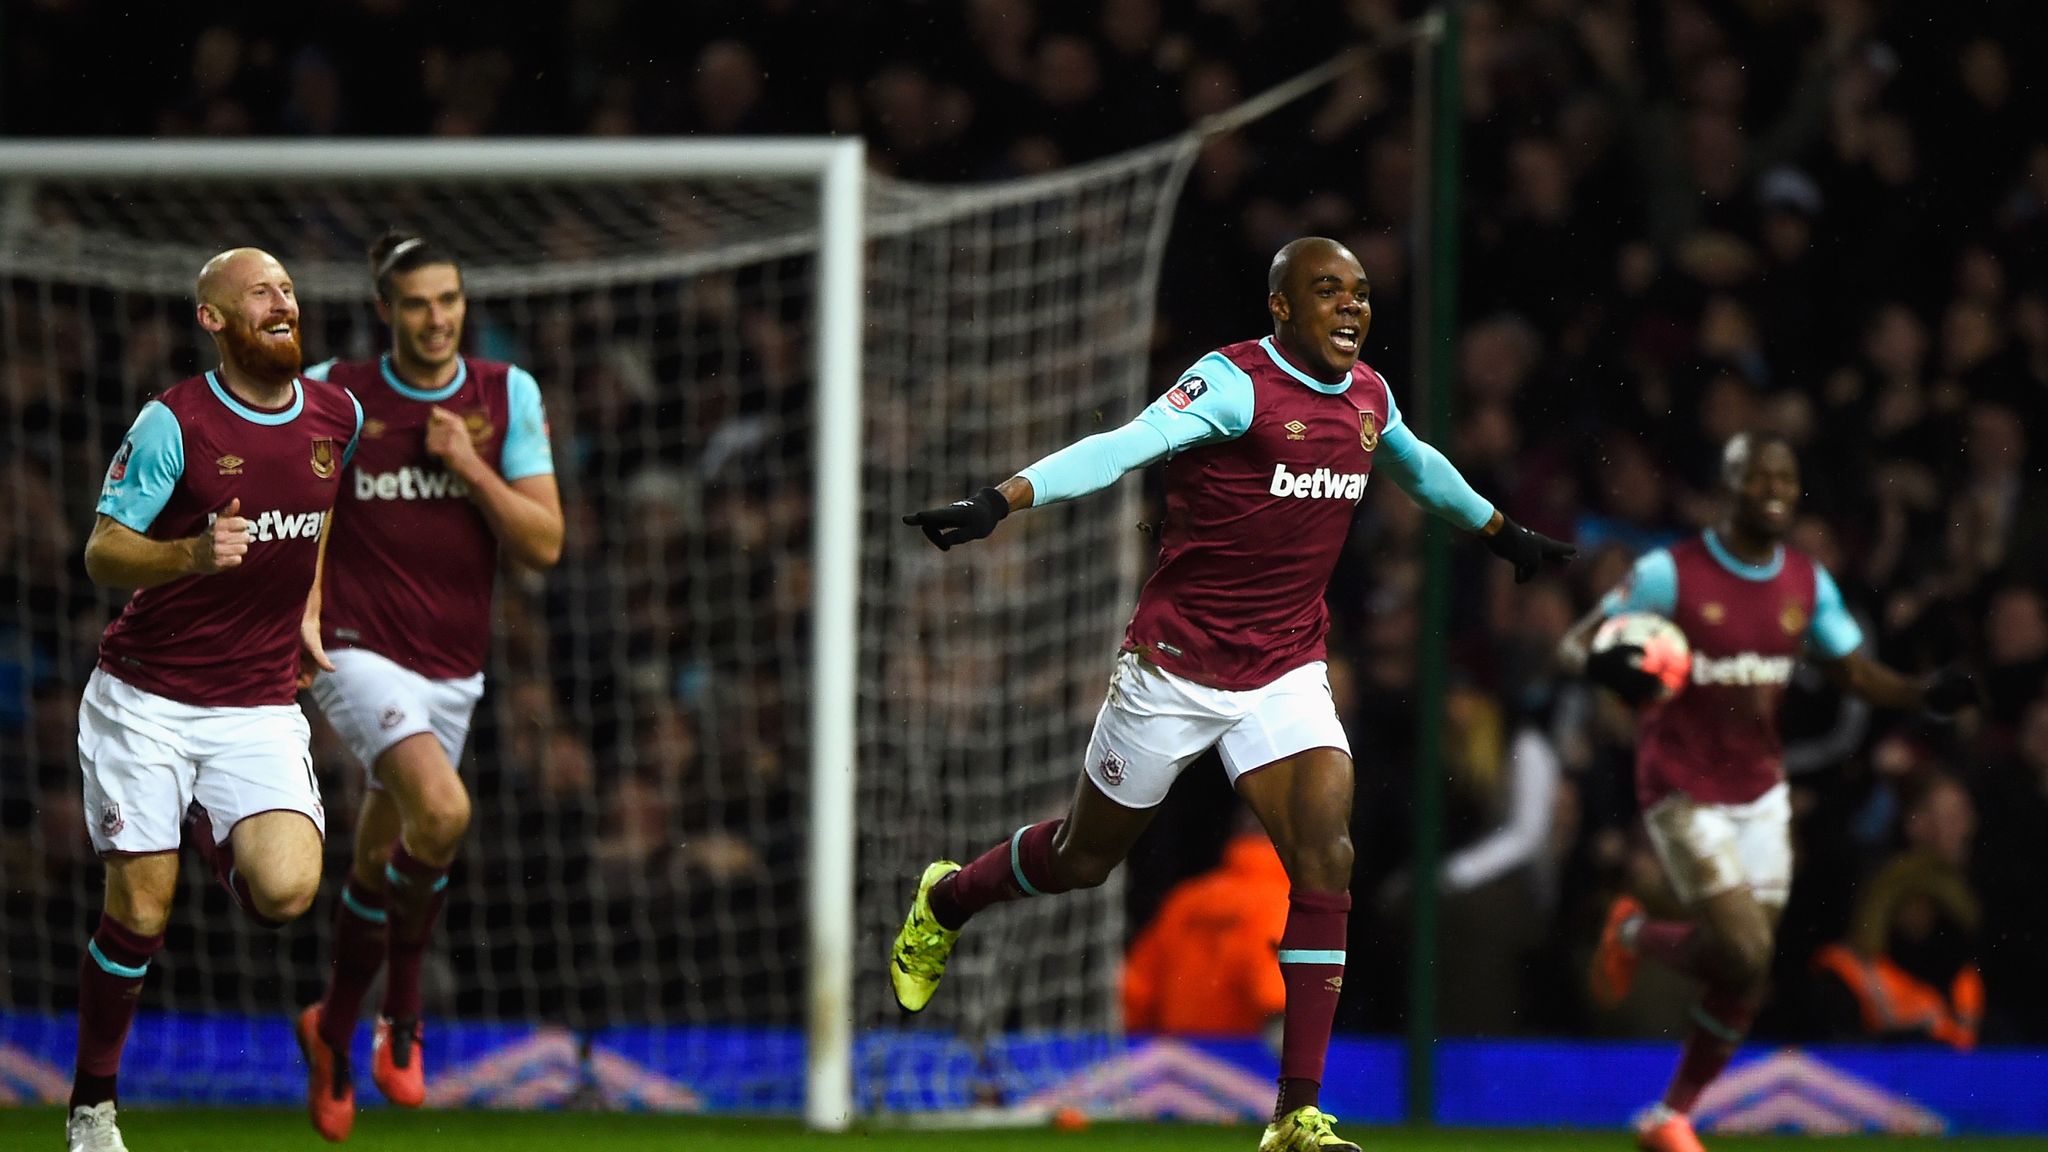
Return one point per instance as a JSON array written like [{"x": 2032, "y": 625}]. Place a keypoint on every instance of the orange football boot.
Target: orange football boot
[
  {"x": 1614, "y": 963},
  {"x": 395, "y": 1062},
  {"x": 330, "y": 1091}
]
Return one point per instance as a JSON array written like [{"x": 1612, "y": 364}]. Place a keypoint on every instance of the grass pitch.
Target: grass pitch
[{"x": 381, "y": 1130}]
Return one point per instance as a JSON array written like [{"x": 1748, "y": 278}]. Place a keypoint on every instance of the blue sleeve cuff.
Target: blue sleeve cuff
[
  {"x": 1428, "y": 478},
  {"x": 1834, "y": 633},
  {"x": 145, "y": 470},
  {"x": 1651, "y": 586},
  {"x": 355, "y": 437},
  {"x": 1095, "y": 463},
  {"x": 526, "y": 451}
]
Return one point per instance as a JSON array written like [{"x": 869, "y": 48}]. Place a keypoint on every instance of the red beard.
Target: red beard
[{"x": 257, "y": 357}]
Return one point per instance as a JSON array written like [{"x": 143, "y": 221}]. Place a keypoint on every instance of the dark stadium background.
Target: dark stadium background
[{"x": 1828, "y": 219}]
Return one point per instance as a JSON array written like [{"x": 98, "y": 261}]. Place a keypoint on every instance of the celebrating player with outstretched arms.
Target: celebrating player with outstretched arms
[
  {"x": 1269, "y": 444},
  {"x": 215, "y": 508},
  {"x": 1709, "y": 762},
  {"x": 455, "y": 467}
]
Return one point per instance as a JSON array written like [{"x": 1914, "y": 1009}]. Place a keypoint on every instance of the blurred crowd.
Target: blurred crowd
[{"x": 1681, "y": 219}]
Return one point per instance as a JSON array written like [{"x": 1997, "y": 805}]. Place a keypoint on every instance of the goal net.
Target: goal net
[{"x": 635, "y": 879}]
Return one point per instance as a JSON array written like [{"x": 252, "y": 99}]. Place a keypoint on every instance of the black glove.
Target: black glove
[
  {"x": 1948, "y": 690},
  {"x": 1620, "y": 670},
  {"x": 1527, "y": 550},
  {"x": 962, "y": 520}
]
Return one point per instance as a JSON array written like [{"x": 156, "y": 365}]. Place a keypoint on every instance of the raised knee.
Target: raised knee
[
  {"x": 284, "y": 899},
  {"x": 442, "y": 825},
  {"x": 1324, "y": 865}
]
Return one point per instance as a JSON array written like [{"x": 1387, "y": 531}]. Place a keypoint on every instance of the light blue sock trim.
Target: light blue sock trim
[
  {"x": 1017, "y": 862},
  {"x": 1713, "y": 1027},
  {"x": 1312, "y": 956},
  {"x": 113, "y": 969},
  {"x": 373, "y": 915},
  {"x": 392, "y": 874}
]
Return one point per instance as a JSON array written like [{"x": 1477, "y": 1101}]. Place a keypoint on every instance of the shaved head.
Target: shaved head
[
  {"x": 1741, "y": 450},
  {"x": 246, "y": 302},
  {"x": 224, "y": 275},
  {"x": 1294, "y": 251}
]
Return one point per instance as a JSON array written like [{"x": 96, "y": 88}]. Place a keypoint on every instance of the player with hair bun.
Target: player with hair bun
[
  {"x": 455, "y": 469},
  {"x": 1709, "y": 762}
]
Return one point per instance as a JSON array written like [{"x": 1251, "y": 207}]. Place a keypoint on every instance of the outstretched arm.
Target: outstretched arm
[
  {"x": 1085, "y": 466},
  {"x": 1212, "y": 401},
  {"x": 1418, "y": 469},
  {"x": 1836, "y": 640},
  {"x": 1887, "y": 687}
]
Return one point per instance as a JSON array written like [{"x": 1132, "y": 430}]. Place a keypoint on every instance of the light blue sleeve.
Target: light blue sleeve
[
  {"x": 526, "y": 451},
  {"x": 1095, "y": 463},
  {"x": 1393, "y": 410},
  {"x": 1212, "y": 401},
  {"x": 1650, "y": 586},
  {"x": 1429, "y": 479},
  {"x": 319, "y": 371},
  {"x": 356, "y": 437},
  {"x": 145, "y": 469},
  {"x": 1834, "y": 633}
]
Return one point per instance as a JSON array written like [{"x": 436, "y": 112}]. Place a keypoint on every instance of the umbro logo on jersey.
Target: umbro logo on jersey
[
  {"x": 411, "y": 482},
  {"x": 1296, "y": 430},
  {"x": 230, "y": 465},
  {"x": 1745, "y": 670},
  {"x": 1187, "y": 391},
  {"x": 1321, "y": 484},
  {"x": 373, "y": 428}
]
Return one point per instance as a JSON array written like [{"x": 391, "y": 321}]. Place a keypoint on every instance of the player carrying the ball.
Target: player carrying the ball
[
  {"x": 1269, "y": 446},
  {"x": 214, "y": 514},
  {"x": 455, "y": 467},
  {"x": 1709, "y": 772}
]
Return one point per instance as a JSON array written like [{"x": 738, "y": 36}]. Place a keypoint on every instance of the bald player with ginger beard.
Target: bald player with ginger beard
[
  {"x": 1709, "y": 762},
  {"x": 215, "y": 510},
  {"x": 1269, "y": 444}
]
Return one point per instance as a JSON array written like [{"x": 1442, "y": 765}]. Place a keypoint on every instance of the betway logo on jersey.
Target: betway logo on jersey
[
  {"x": 1743, "y": 670},
  {"x": 1321, "y": 484},
  {"x": 275, "y": 525},
  {"x": 411, "y": 482}
]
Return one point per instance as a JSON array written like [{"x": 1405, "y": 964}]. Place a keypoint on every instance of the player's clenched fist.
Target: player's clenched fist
[
  {"x": 448, "y": 438},
  {"x": 224, "y": 543}
]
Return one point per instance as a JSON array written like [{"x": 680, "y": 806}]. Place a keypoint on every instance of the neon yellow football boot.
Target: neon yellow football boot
[
  {"x": 1306, "y": 1129},
  {"x": 919, "y": 957}
]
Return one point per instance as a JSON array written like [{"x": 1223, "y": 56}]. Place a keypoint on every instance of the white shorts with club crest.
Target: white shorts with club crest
[
  {"x": 146, "y": 758},
  {"x": 1708, "y": 849},
  {"x": 374, "y": 702},
  {"x": 1155, "y": 723}
]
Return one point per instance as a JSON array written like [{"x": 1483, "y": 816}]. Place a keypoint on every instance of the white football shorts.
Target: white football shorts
[
  {"x": 1155, "y": 723},
  {"x": 145, "y": 758},
  {"x": 374, "y": 702},
  {"x": 1708, "y": 849}
]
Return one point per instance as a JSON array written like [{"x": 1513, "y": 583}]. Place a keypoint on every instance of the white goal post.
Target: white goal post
[{"x": 838, "y": 166}]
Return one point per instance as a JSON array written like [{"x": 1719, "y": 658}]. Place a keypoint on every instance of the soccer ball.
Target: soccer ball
[{"x": 1666, "y": 654}]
